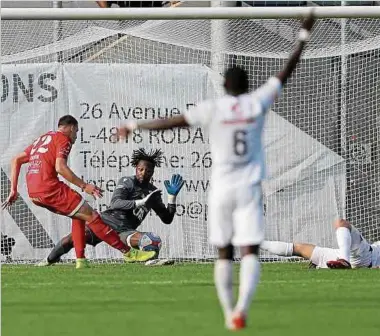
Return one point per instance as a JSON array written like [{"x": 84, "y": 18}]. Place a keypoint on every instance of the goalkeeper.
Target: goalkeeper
[
  {"x": 353, "y": 250},
  {"x": 131, "y": 201}
]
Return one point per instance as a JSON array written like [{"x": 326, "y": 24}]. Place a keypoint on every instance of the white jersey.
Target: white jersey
[
  {"x": 235, "y": 127},
  {"x": 375, "y": 254}
]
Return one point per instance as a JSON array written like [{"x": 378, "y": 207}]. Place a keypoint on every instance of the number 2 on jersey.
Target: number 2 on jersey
[
  {"x": 240, "y": 142},
  {"x": 40, "y": 145}
]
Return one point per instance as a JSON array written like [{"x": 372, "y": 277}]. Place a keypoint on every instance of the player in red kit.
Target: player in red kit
[{"x": 47, "y": 158}]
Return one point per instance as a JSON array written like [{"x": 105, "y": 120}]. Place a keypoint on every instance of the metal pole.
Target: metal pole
[
  {"x": 343, "y": 102},
  {"x": 189, "y": 13},
  {"x": 343, "y": 79},
  {"x": 343, "y": 107},
  {"x": 219, "y": 34},
  {"x": 57, "y": 31}
]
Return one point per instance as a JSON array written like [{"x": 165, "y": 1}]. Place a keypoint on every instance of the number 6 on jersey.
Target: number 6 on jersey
[{"x": 240, "y": 142}]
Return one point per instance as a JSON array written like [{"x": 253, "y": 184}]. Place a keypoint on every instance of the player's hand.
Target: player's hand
[
  {"x": 149, "y": 199},
  {"x": 124, "y": 131},
  {"x": 93, "y": 190},
  {"x": 12, "y": 197},
  {"x": 309, "y": 21},
  {"x": 174, "y": 186},
  {"x": 175, "y": 3}
]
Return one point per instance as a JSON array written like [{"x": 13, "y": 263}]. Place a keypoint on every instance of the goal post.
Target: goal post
[
  {"x": 115, "y": 64},
  {"x": 193, "y": 13}
]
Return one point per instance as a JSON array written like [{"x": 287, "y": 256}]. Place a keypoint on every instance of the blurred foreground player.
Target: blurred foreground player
[
  {"x": 47, "y": 157},
  {"x": 131, "y": 201},
  {"x": 354, "y": 251},
  {"x": 235, "y": 124}
]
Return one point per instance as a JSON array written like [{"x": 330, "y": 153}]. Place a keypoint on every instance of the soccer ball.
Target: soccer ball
[{"x": 150, "y": 242}]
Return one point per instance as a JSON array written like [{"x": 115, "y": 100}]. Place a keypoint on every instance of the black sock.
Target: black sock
[{"x": 62, "y": 247}]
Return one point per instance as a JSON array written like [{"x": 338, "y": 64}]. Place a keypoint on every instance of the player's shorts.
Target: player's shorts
[
  {"x": 321, "y": 255},
  {"x": 63, "y": 201},
  {"x": 236, "y": 216},
  {"x": 361, "y": 252}
]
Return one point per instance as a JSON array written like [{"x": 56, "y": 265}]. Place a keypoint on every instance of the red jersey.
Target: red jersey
[{"x": 42, "y": 178}]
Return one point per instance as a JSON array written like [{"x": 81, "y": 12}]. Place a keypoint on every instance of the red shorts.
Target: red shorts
[{"x": 64, "y": 201}]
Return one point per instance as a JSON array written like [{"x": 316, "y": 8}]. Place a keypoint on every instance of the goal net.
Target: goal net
[{"x": 321, "y": 136}]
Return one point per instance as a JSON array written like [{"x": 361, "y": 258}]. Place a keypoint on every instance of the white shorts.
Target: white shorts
[
  {"x": 236, "y": 216},
  {"x": 361, "y": 256},
  {"x": 321, "y": 255}
]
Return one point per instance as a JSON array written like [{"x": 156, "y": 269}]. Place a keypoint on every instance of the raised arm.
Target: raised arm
[
  {"x": 173, "y": 187},
  {"x": 166, "y": 213},
  {"x": 303, "y": 37},
  {"x": 122, "y": 196},
  {"x": 16, "y": 164},
  {"x": 157, "y": 124},
  {"x": 200, "y": 115},
  {"x": 162, "y": 124},
  {"x": 103, "y": 4}
]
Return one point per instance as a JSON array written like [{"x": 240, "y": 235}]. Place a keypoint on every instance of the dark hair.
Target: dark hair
[
  {"x": 67, "y": 120},
  {"x": 236, "y": 80},
  {"x": 154, "y": 157}
]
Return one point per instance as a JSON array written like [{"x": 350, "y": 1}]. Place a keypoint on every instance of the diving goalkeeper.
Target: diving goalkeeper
[
  {"x": 353, "y": 250},
  {"x": 131, "y": 201}
]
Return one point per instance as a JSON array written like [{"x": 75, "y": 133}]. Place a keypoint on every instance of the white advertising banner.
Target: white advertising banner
[{"x": 303, "y": 194}]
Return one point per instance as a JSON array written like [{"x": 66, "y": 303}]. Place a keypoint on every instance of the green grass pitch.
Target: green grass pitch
[{"x": 181, "y": 300}]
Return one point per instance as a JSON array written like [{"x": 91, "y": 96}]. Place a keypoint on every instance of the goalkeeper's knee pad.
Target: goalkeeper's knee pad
[{"x": 149, "y": 242}]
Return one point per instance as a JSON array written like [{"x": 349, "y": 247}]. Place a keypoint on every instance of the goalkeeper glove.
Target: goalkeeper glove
[
  {"x": 148, "y": 199},
  {"x": 173, "y": 187}
]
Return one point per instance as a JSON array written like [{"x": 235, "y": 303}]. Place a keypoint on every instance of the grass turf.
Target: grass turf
[{"x": 180, "y": 300}]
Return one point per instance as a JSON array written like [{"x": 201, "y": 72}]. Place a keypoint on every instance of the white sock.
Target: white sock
[
  {"x": 278, "y": 248},
  {"x": 343, "y": 237},
  {"x": 249, "y": 278},
  {"x": 223, "y": 283}
]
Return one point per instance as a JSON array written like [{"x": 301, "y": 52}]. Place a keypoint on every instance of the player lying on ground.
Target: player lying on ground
[
  {"x": 131, "y": 202},
  {"x": 235, "y": 123},
  {"x": 353, "y": 252},
  {"x": 46, "y": 158}
]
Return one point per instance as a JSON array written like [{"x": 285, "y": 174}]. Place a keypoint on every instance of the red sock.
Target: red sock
[
  {"x": 106, "y": 234},
  {"x": 79, "y": 237}
]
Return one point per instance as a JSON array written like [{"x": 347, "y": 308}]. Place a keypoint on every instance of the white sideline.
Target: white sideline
[{"x": 189, "y": 13}]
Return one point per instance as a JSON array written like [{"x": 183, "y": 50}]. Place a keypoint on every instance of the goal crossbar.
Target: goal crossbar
[{"x": 187, "y": 13}]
